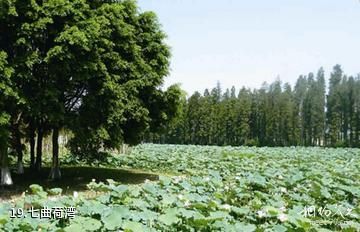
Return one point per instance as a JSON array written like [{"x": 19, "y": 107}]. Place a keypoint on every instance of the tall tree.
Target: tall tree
[
  {"x": 356, "y": 116},
  {"x": 300, "y": 94},
  {"x": 286, "y": 119},
  {"x": 95, "y": 67},
  {"x": 243, "y": 113},
  {"x": 193, "y": 118},
  {"x": 133, "y": 63},
  {"x": 7, "y": 97},
  {"x": 319, "y": 109},
  {"x": 278, "y": 115},
  {"x": 334, "y": 107}
]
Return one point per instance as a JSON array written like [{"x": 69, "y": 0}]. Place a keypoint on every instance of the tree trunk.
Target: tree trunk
[
  {"x": 55, "y": 173},
  {"x": 32, "y": 146},
  {"x": 39, "y": 148},
  {"x": 5, "y": 172},
  {"x": 19, "y": 150}
]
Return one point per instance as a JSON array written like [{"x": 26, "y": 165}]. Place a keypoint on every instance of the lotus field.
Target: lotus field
[{"x": 206, "y": 188}]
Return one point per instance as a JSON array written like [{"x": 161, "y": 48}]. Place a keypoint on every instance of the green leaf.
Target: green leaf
[
  {"x": 240, "y": 211},
  {"x": 170, "y": 217},
  {"x": 55, "y": 191},
  {"x": 86, "y": 223},
  {"x": 130, "y": 226},
  {"x": 38, "y": 190},
  {"x": 245, "y": 227},
  {"x": 73, "y": 227},
  {"x": 325, "y": 193},
  {"x": 272, "y": 210},
  {"x": 218, "y": 215},
  {"x": 279, "y": 228},
  {"x": 3, "y": 219},
  {"x": 112, "y": 218}
]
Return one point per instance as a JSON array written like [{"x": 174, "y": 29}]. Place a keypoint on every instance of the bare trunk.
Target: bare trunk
[
  {"x": 5, "y": 172},
  {"x": 55, "y": 173},
  {"x": 32, "y": 146},
  {"x": 19, "y": 150},
  {"x": 32, "y": 154},
  {"x": 39, "y": 148},
  {"x": 5, "y": 177},
  {"x": 20, "y": 167}
]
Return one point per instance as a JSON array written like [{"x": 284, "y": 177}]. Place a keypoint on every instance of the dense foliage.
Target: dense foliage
[
  {"x": 214, "y": 189},
  {"x": 308, "y": 114},
  {"x": 92, "y": 67}
]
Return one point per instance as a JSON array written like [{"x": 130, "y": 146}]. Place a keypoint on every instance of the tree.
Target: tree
[
  {"x": 356, "y": 115},
  {"x": 287, "y": 113},
  {"x": 299, "y": 95},
  {"x": 243, "y": 113},
  {"x": 193, "y": 118},
  {"x": 273, "y": 130},
  {"x": 334, "y": 107},
  {"x": 319, "y": 109},
  {"x": 276, "y": 114},
  {"x": 213, "y": 110},
  {"x": 122, "y": 99},
  {"x": 37, "y": 35},
  {"x": 94, "y": 67},
  {"x": 7, "y": 96},
  {"x": 175, "y": 132}
]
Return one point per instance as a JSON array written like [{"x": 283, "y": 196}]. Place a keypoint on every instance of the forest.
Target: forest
[{"x": 311, "y": 113}]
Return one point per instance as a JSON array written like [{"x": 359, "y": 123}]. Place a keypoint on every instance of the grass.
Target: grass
[{"x": 73, "y": 179}]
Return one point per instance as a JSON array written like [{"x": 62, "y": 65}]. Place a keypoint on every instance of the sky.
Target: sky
[{"x": 245, "y": 43}]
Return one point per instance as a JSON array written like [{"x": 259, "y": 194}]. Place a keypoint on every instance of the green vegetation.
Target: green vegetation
[
  {"x": 82, "y": 79},
  {"x": 277, "y": 114},
  {"x": 74, "y": 178},
  {"x": 213, "y": 189},
  {"x": 92, "y": 68}
]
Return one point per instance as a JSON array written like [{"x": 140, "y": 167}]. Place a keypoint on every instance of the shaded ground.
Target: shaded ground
[{"x": 73, "y": 179}]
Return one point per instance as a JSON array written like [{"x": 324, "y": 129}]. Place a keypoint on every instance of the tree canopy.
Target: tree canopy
[
  {"x": 93, "y": 67},
  {"x": 276, "y": 114}
]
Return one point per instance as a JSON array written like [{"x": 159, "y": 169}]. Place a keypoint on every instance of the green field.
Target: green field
[{"x": 208, "y": 188}]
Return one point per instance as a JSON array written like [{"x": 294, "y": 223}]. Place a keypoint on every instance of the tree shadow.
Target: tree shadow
[{"x": 73, "y": 179}]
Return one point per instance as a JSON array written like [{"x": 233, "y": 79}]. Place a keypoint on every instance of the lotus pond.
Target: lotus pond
[{"x": 206, "y": 188}]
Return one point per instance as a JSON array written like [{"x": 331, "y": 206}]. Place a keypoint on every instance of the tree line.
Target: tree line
[
  {"x": 92, "y": 67},
  {"x": 308, "y": 114}
]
